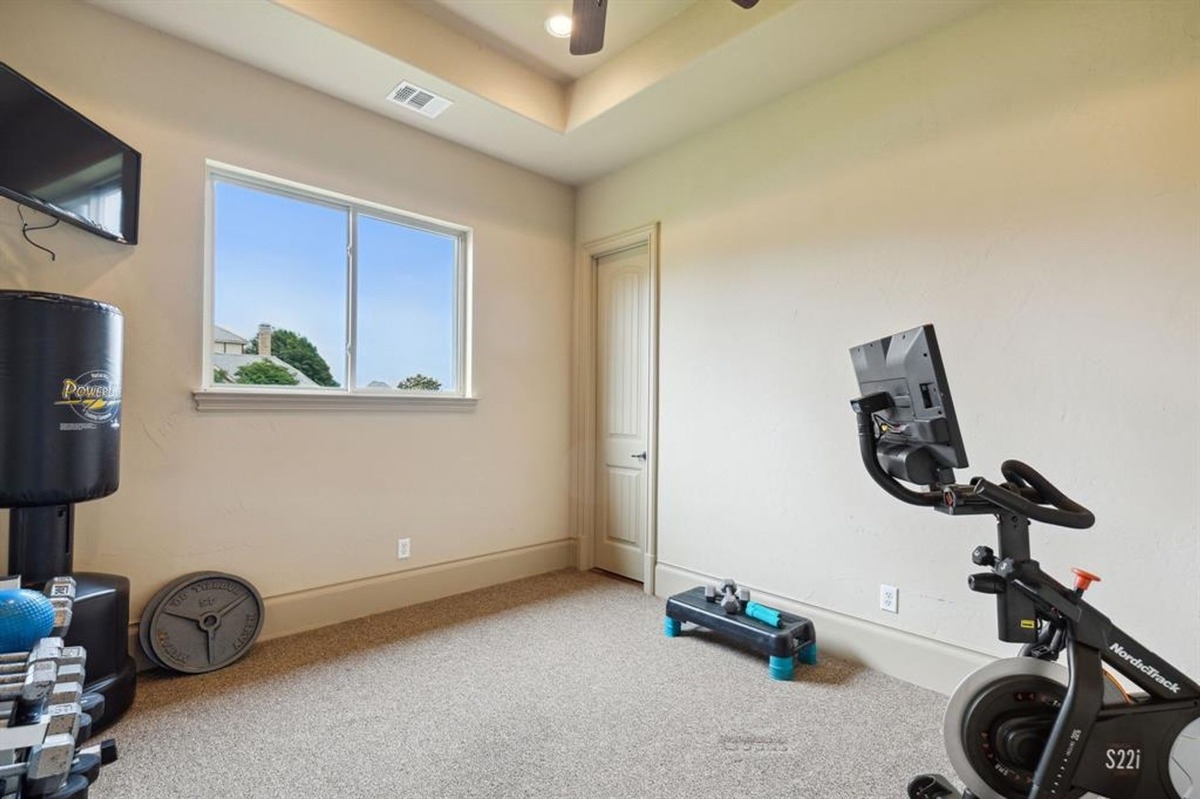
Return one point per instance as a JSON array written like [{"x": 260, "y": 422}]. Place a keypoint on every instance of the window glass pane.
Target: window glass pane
[
  {"x": 406, "y": 307},
  {"x": 279, "y": 282},
  {"x": 100, "y": 204}
]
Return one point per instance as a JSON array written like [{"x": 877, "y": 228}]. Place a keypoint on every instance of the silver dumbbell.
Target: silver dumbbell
[
  {"x": 30, "y": 686},
  {"x": 60, "y": 719},
  {"x": 45, "y": 769},
  {"x": 64, "y": 719},
  {"x": 49, "y": 764},
  {"x": 43, "y": 674},
  {"x": 63, "y": 610},
  {"x": 60, "y": 587},
  {"x": 61, "y": 593},
  {"x": 64, "y": 693},
  {"x": 44, "y": 648},
  {"x": 70, "y": 660},
  {"x": 28, "y": 696}
]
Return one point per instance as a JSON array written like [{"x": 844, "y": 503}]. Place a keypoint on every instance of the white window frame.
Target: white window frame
[{"x": 218, "y": 397}]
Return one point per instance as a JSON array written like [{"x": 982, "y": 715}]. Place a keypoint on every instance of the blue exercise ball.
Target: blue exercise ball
[{"x": 25, "y": 616}]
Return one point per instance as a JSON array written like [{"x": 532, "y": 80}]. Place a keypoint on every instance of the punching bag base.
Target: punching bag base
[{"x": 100, "y": 624}]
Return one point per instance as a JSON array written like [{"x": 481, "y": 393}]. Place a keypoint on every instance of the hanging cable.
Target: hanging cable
[{"x": 26, "y": 227}]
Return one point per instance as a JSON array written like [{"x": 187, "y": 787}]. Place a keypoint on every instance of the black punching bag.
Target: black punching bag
[
  {"x": 60, "y": 420},
  {"x": 60, "y": 434}
]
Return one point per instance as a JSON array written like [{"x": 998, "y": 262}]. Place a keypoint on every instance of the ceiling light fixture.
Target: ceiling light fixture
[{"x": 559, "y": 26}]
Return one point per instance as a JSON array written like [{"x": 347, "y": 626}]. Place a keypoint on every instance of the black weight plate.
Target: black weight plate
[
  {"x": 206, "y": 622},
  {"x": 144, "y": 625},
  {"x": 148, "y": 613},
  {"x": 144, "y": 638}
]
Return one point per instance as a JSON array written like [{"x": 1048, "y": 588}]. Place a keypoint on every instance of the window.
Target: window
[
  {"x": 330, "y": 299},
  {"x": 100, "y": 205}
]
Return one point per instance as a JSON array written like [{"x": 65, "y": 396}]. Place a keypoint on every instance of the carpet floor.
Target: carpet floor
[{"x": 561, "y": 685}]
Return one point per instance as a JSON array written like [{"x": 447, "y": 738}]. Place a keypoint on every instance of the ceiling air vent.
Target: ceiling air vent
[{"x": 420, "y": 100}]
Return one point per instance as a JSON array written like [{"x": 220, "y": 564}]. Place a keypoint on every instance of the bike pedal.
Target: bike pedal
[{"x": 933, "y": 786}]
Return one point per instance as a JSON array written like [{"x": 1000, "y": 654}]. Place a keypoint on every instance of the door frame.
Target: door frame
[{"x": 584, "y": 438}]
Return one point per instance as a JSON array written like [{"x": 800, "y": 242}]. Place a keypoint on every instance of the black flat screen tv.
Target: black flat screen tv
[{"x": 55, "y": 160}]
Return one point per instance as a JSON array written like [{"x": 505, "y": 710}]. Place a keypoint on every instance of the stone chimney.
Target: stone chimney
[{"x": 264, "y": 341}]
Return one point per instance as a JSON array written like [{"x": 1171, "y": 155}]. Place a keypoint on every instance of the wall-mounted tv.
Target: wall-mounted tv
[{"x": 57, "y": 161}]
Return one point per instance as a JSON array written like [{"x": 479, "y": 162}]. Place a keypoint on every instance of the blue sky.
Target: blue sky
[{"x": 282, "y": 261}]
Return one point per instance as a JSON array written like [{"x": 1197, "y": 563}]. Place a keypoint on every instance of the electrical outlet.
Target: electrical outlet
[
  {"x": 402, "y": 549},
  {"x": 889, "y": 598}
]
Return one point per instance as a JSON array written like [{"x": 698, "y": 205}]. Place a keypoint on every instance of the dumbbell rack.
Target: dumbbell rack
[{"x": 46, "y": 715}]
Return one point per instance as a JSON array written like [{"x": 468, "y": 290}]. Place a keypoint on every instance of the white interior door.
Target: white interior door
[{"x": 623, "y": 341}]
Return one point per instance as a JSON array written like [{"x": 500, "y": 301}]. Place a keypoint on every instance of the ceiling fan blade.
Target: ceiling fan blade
[
  {"x": 587, "y": 26},
  {"x": 746, "y": 3}
]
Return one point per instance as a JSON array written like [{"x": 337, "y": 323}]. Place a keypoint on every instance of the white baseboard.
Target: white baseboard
[
  {"x": 309, "y": 609},
  {"x": 906, "y": 656}
]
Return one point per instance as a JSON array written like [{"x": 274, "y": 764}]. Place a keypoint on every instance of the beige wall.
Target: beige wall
[
  {"x": 1028, "y": 180},
  {"x": 298, "y": 501}
]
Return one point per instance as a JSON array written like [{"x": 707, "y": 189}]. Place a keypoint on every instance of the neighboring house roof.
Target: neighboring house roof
[
  {"x": 223, "y": 335},
  {"x": 231, "y": 362},
  {"x": 377, "y": 384}
]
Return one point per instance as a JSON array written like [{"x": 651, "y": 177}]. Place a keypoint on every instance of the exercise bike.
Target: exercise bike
[{"x": 1025, "y": 727}]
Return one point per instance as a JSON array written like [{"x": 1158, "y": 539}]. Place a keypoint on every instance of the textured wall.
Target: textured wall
[
  {"x": 300, "y": 500},
  {"x": 1027, "y": 179}
]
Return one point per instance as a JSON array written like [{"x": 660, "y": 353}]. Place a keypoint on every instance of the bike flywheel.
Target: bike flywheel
[{"x": 997, "y": 723}]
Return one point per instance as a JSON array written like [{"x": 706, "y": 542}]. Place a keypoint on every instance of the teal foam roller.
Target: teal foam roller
[{"x": 763, "y": 613}]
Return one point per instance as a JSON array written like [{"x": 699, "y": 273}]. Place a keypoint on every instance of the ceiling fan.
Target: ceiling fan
[{"x": 587, "y": 24}]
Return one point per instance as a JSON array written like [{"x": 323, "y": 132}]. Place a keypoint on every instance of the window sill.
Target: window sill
[{"x": 267, "y": 400}]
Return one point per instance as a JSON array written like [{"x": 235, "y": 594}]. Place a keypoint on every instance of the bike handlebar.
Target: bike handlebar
[
  {"x": 1029, "y": 493},
  {"x": 1024, "y": 491},
  {"x": 867, "y": 442}
]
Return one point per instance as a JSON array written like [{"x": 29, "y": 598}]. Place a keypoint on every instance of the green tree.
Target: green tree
[
  {"x": 265, "y": 373},
  {"x": 419, "y": 382},
  {"x": 296, "y": 350},
  {"x": 221, "y": 376}
]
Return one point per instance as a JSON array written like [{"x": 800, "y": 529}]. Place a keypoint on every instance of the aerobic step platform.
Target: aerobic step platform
[{"x": 795, "y": 639}]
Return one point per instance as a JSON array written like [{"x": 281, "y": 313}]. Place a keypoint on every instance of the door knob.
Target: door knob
[{"x": 641, "y": 456}]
